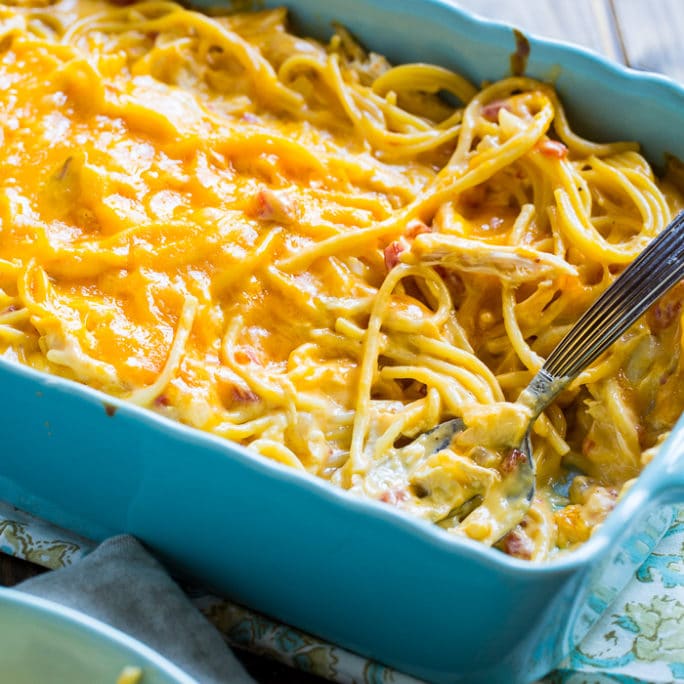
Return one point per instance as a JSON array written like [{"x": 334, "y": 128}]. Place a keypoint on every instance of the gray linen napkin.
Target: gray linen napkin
[{"x": 121, "y": 584}]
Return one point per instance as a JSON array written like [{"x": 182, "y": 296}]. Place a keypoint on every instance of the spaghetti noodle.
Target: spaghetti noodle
[{"x": 301, "y": 248}]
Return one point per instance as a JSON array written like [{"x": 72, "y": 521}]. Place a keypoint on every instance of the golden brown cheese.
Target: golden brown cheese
[{"x": 300, "y": 248}]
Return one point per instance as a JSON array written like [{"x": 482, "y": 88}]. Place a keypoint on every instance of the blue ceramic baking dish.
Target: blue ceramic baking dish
[{"x": 354, "y": 572}]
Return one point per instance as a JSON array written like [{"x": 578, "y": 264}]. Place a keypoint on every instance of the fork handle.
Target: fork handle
[{"x": 658, "y": 268}]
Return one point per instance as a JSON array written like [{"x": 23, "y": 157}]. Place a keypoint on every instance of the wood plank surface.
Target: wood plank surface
[
  {"x": 652, "y": 34},
  {"x": 589, "y": 23}
]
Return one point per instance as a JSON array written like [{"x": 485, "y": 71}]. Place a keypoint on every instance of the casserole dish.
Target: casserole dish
[
  {"x": 42, "y": 641},
  {"x": 354, "y": 573}
]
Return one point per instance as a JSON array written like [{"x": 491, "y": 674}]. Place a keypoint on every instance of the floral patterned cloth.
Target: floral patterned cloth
[{"x": 640, "y": 638}]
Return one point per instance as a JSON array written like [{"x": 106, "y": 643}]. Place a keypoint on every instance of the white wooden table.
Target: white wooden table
[{"x": 644, "y": 34}]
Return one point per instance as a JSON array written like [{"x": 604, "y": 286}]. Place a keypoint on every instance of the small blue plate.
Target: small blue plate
[{"x": 44, "y": 642}]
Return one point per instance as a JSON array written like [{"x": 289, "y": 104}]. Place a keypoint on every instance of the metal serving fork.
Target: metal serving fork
[{"x": 658, "y": 268}]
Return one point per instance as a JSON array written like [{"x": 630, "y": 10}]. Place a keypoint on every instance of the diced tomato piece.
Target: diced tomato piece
[
  {"x": 244, "y": 395},
  {"x": 553, "y": 148},
  {"x": 392, "y": 252},
  {"x": 665, "y": 312},
  {"x": 513, "y": 459},
  {"x": 416, "y": 227},
  {"x": 491, "y": 110},
  {"x": 517, "y": 543},
  {"x": 272, "y": 206},
  {"x": 394, "y": 496}
]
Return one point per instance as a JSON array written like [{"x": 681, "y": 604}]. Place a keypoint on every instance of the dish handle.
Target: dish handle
[{"x": 669, "y": 485}]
